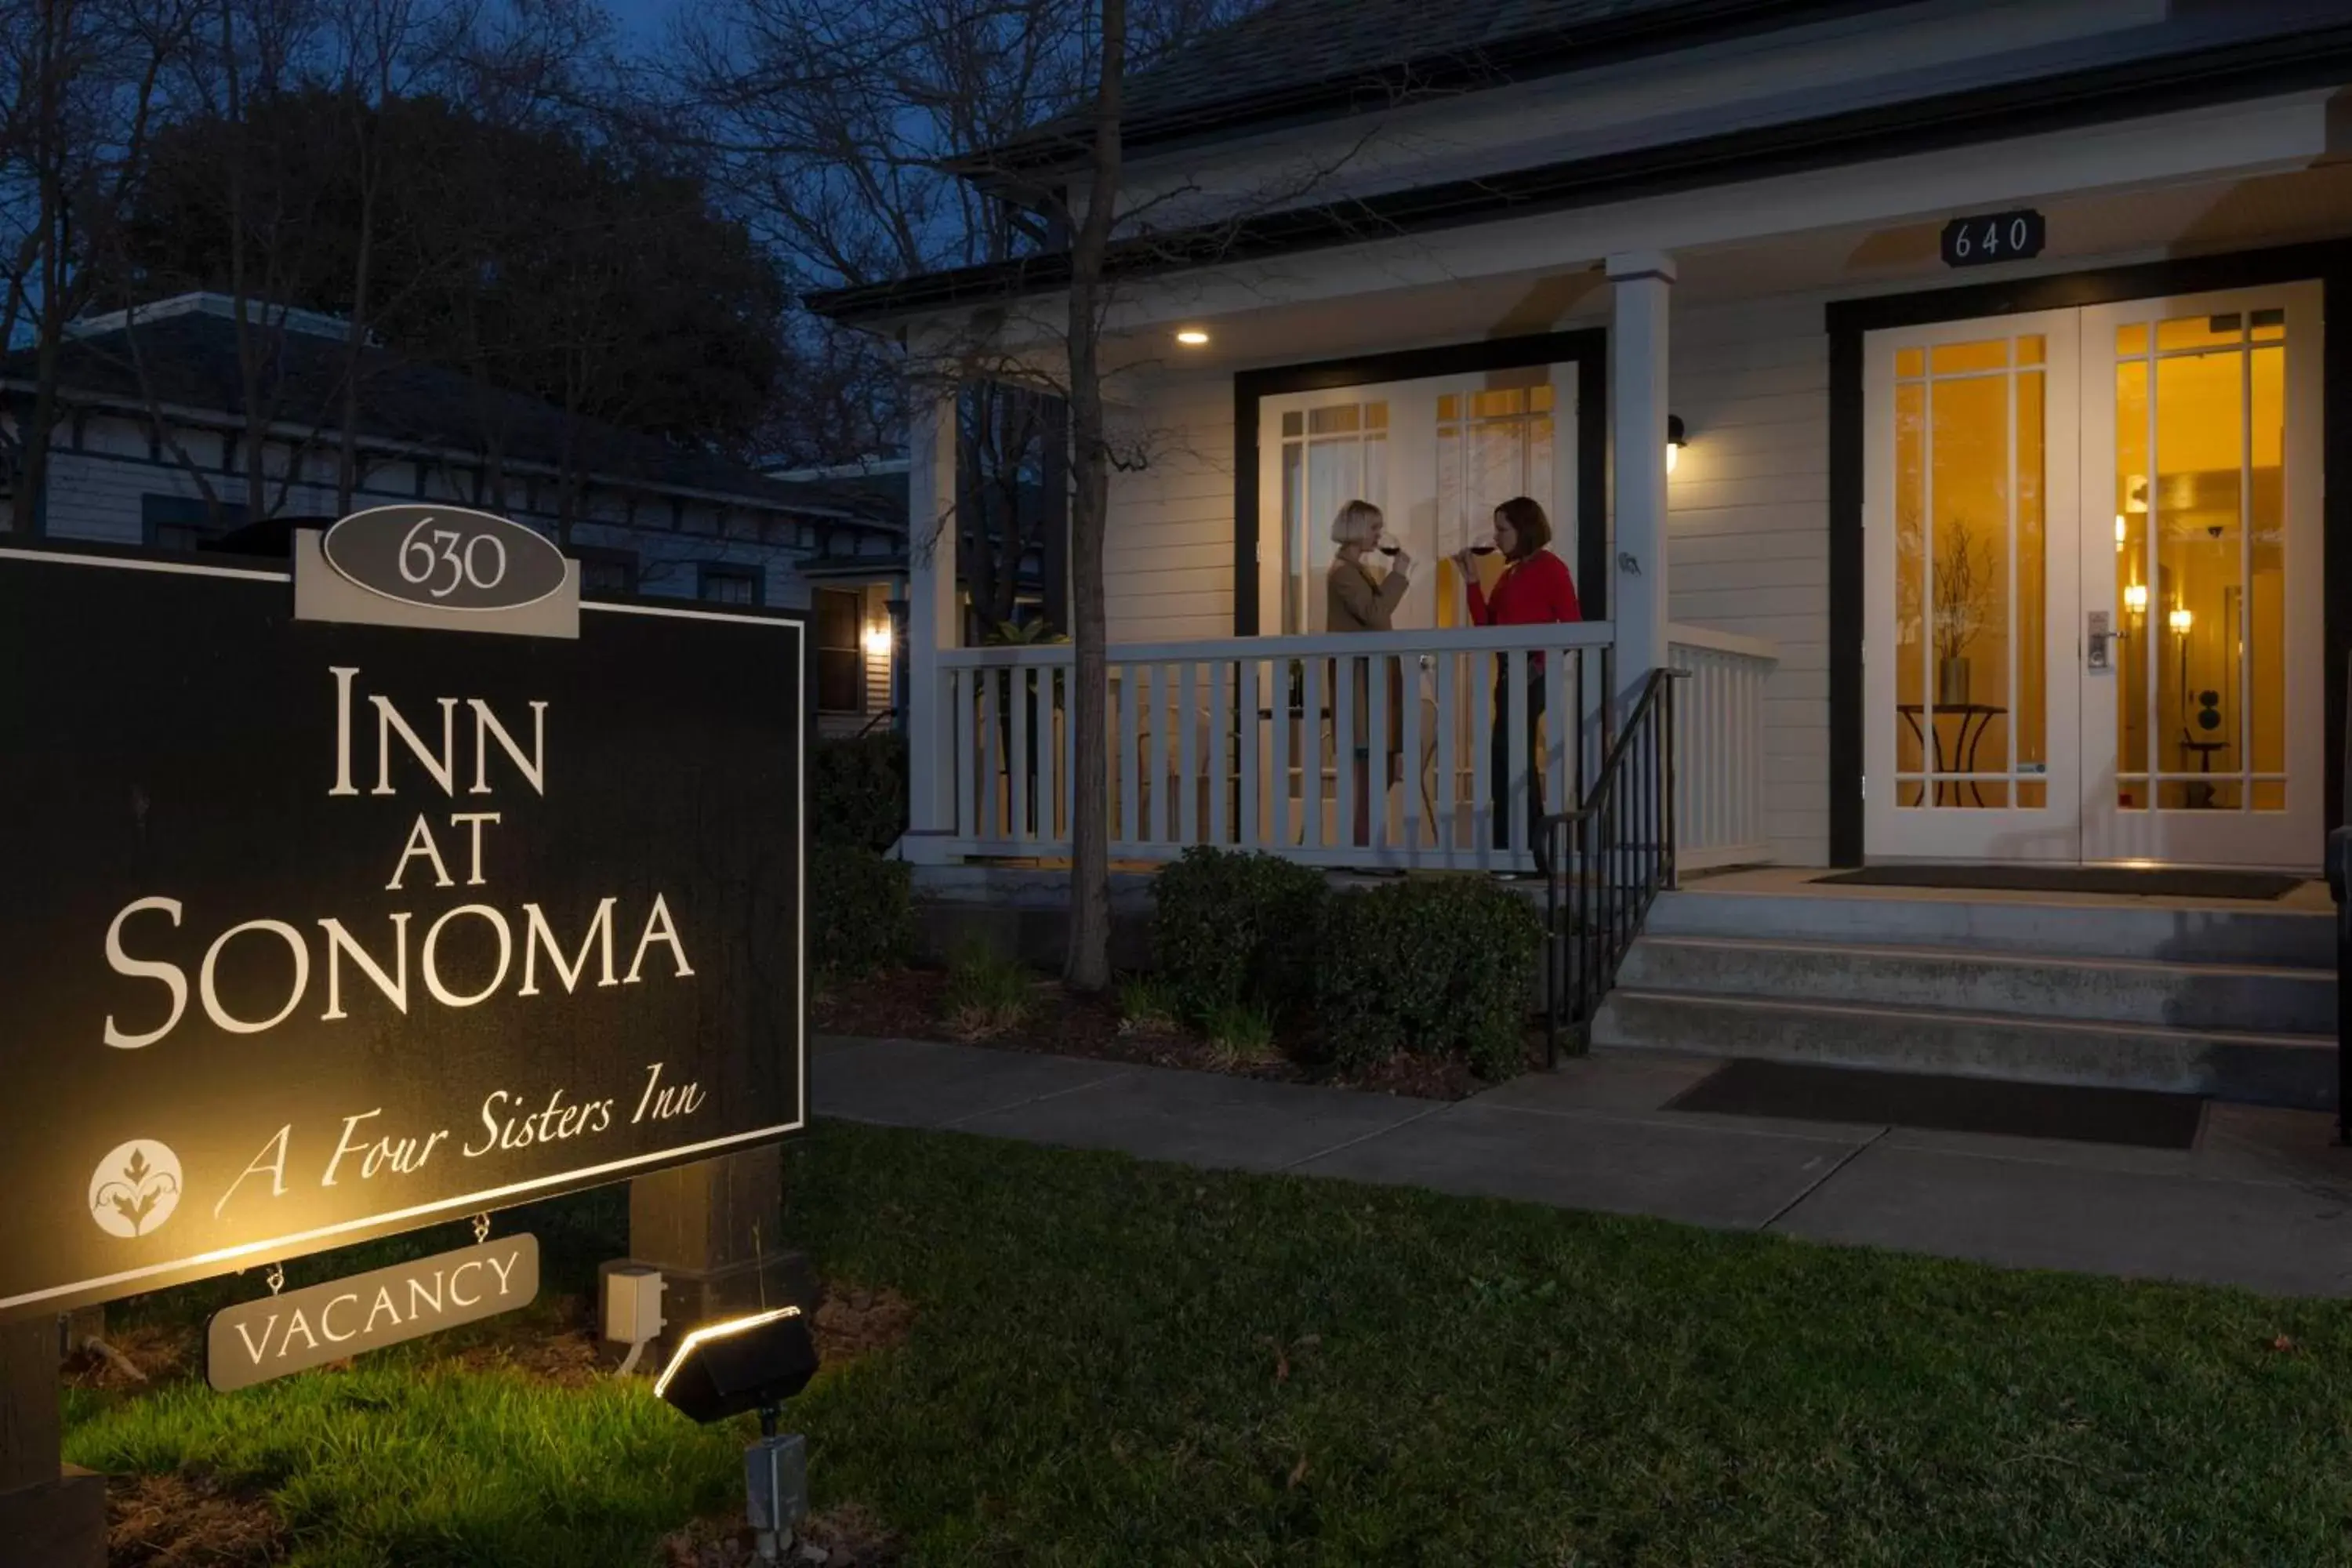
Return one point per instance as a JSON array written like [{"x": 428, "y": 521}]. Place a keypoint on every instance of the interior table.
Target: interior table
[{"x": 1975, "y": 718}]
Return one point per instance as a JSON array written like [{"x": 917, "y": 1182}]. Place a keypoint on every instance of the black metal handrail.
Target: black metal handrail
[{"x": 1610, "y": 856}]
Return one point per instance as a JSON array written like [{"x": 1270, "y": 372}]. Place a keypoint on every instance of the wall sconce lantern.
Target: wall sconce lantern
[
  {"x": 878, "y": 641},
  {"x": 2180, "y": 621},
  {"x": 2136, "y": 600},
  {"x": 1676, "y": 440}
]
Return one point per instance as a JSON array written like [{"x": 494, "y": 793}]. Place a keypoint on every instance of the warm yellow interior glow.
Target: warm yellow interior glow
[
  {"x": 709, "y": 1331},
  {"x": 1192, "y": 337},
  {"x": 2136, "y": 598},
  {"x": 1971, "y": 598},
  {"x": 2182, "y": 621}
]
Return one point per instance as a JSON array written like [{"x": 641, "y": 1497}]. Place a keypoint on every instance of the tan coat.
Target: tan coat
[{"x": 1354, "y": 602}]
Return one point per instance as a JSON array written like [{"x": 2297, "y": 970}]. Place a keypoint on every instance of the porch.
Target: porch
[{"x": 1277, "y": 745}]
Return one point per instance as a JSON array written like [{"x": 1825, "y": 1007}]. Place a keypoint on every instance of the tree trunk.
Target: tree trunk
[
  {"x": 347, "y": 465},
  {"x": 48, "y": 143},
  {"x": 1088, "y": 964}
]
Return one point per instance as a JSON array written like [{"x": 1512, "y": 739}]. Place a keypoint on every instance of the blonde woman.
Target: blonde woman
[{"x": 1356, "y": 598}]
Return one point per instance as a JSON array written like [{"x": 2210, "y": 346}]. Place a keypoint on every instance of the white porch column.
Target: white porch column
[
  {"x": 932, "y": 622},
  {"x": 1642, "y": 282}
]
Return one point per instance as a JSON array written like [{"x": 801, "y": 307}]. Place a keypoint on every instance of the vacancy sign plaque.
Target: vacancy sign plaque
[
  {"x": 312, "y": 930},
  {"x": 295, "y": 1331}
]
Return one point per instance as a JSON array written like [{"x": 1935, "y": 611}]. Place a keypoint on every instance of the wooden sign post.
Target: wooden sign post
[
  {"x": 52, "y": 1515},
  {"x": 713, "y": 1229}
]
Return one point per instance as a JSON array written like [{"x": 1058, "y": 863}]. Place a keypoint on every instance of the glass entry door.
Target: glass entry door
[
  {"x": 1971, "y": 502},
  {"x": 2201, "y": 440},
  {"x": 2094, "y": 585}
]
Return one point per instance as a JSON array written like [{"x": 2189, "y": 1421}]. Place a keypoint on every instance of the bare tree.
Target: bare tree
[
  {"x": 385, "y": 48},
  {"x": 87, "y": 77},
  {"x": 911, "y": 136},
  {"x": 1087, "y": 967}
]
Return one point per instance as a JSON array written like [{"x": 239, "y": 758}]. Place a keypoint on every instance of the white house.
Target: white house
[
  {"x": 1992, "y": 335},
  {"x": 149, "y": 456}
]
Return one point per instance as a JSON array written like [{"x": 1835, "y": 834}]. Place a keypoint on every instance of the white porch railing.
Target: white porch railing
[
  {"x": 1719, "y": 747},
  {"x": 1276, "y": 743}
]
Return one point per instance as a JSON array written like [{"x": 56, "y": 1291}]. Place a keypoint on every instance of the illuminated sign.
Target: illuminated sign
[{"x": 313, "y": 929}]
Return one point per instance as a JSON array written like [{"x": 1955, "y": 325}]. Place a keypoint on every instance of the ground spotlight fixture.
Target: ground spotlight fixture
[
  {"x": 756, "y": 1362},
  {"x": 742, "y": 1364},
  {"x": 1676, "y": 441}
]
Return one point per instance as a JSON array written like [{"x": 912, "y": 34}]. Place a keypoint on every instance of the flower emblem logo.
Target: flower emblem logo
[{"x": 135, "y": 1188}]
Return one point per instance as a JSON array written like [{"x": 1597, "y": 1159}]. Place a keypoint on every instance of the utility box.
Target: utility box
[{"x": 633, "y": 1302}]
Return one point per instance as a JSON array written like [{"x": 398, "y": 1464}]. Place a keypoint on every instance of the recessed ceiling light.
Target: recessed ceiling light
[{"x": 1192, "y": 337}]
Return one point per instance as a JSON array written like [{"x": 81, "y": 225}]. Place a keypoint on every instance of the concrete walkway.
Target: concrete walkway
[{"x": 2263, "y": 1201}]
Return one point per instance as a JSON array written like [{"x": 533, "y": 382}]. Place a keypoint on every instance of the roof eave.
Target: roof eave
[
  {"x": 2191, "y": 78},
  {"x": 1061, "y": 148}
]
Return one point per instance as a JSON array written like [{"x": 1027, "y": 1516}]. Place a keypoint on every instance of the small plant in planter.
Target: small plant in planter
[
  {"x": 1146, "y": 1006},
  {"x": 986, "y": 994},
  {"x": 1239, "y": 1034},
  {"x": 1038, "y": 633}
]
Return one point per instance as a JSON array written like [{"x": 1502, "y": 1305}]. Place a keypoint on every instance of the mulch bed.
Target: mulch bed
[
  {"x": 907, "y": 1004},
  {"x": 189, "y": 1522}
]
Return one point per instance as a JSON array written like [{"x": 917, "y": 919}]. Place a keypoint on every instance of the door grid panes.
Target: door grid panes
[
  {"x": 2200, "y": 571},
  {"x": 1971, "y": 632},
  {"x": 1331, "y": 455},
  {"x": 1492, "y": 445}
]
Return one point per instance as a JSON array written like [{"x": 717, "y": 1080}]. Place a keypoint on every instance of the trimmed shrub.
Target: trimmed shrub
[
  {"x": 861, "y": 909},
  {"x": 857, "y": 790},
  {"x": 1429, "y": 966},
  {"x": 1233, "y": 929}
]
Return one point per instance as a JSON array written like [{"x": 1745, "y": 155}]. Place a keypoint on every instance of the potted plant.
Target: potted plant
[
  {"x": 1038, "y": 633},
  {"x": 1963, "y": 594}
]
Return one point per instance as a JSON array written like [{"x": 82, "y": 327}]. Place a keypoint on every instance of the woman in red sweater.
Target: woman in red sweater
[{"x": 1535, "y": 589}]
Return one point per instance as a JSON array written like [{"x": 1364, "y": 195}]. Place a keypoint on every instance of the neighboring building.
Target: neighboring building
[
  {"x": 1947, "y": 387},
  {"x": 151, "y": 404}
]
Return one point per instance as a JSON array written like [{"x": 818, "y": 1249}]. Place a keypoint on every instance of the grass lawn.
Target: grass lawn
[{"x": 1116, "y": 1362}]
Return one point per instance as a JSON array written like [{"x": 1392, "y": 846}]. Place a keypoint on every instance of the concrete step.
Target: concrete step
[
  {"x": 2285, "y": 1069},
  {"x": 2234, "y": 998},
  {"x": 2148, "y": 930}
]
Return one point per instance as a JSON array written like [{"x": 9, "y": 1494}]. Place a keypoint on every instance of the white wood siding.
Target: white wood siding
[
  {"x": 1168, "y": 553},
  {"x": 1747, "y": 530}
]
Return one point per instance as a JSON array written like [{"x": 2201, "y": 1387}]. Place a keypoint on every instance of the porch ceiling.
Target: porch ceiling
[{"x": 2198, "y": 217}]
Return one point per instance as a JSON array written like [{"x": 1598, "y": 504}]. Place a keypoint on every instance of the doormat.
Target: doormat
[
  {"x": 2155, "y": 883},
  {"x": 1803, "y": 1092}
]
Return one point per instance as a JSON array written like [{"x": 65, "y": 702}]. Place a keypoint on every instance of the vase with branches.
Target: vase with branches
[{"x": 1962, "y": 594}]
